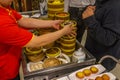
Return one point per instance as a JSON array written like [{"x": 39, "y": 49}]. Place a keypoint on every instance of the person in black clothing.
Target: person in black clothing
[
  {"x": 75, "y": 8},
  {"x": 103, "y": 36}
]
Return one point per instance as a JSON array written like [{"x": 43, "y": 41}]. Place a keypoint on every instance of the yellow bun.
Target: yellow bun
[
  {"x": 80, "y": 75},
  {"x": 99, "y": 78},
  {"x": 94, "y": 69},
  {"x": 87, "y": 72},
  {"x": 105, "y": 77}
]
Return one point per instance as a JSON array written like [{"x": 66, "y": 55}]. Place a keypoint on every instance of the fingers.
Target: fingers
[{"x": 88, "y": 12}]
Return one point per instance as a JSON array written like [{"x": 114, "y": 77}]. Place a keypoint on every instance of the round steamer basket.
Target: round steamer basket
[
  {"x": 52, "y": 17},
  {"x": 34, "y": 54},
  {"x": 66, "y": 22},
  {"x": 53, "y": 52},
  {"x": 62, "y": 16},
  {"x": 33, "y": 51},
  {"x": 53, "y": 11},
  {"x": 68, "y": 46},
  {"x": 68, "y": 39},
  {"x": 55, "y": 4},
  {"x": 36, "y": 58},
  {"x": 68, "y": 52}
]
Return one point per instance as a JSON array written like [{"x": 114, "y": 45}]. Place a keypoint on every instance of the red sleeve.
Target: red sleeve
[
  {"x": 14, "y": 35},
  {"x": 16, "y": 15}
]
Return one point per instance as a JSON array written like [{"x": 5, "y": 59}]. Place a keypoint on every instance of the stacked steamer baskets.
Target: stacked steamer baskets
[
  {"x": 62, "y": 16},
  {"x": 54, "y": 6},
  {"x": 68, "y": 42},
  {"x": 34, "y": 54}
]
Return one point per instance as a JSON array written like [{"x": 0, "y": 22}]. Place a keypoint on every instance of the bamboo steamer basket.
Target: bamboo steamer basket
[
  {"x": 53, "y": 11},
  {"x": 68, "y": 39},
  {"x": 51, "y": 16},
  {"x": 62, "y": 15},
  {"x": 34, "y": 54},
  {"x": 73, "y": 22},
  {"x": 53, "y": 52},
  {"x": 55, "y": 3},
  {"x": 68, "y": 52}
]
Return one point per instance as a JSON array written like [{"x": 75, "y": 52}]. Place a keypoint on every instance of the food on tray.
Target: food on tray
[
  {"x": 53, "y": 52},
  {"x": 94, "y": 69},
  {"x": 105, "y": 77},
  {"x": 50, "y": 62},
  {"x": 98, "y": 78},
  {"x": 35, "y": 66},
  {"x": 89, "y": 75},
  {"x": 80, "y": 75},
  {"x": 87, "y": 72}
]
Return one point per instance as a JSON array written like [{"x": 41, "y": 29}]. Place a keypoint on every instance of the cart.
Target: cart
[
  {"x": 67, "y": 77},
  {"x": 57, "y": 71}
]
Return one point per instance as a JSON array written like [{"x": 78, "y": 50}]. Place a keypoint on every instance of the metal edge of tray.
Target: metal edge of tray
[{"x": 58, "y": 70}]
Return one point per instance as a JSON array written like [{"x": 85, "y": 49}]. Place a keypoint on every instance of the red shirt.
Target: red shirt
[{"x": 12, "y": 39}]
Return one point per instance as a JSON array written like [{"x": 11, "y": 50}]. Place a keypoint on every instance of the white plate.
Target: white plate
[
  {"x": 34, "y": 63},
  {"x": 62, "y": 78},
  {"x": 112, "y": 77},
  {"x": 98, "y": 66}
]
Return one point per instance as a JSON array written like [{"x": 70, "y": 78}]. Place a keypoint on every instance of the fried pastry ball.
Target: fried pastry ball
[
  {"x": 93, "y": 69},
  {"x": 105, "y": 77},
  {"x": 87, "y": 72},
  {"x": 80, "y": 75},
  {"x": 99, "y": 78}
]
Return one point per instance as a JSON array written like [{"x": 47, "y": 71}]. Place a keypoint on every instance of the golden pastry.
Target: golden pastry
[
  {"x": 94, "y": 69},
  {"x": 105, "y": 77},
  {"x": 87, "y": 72},
  {"x": 99, "y": 78},
  {"x": 80, "y": 75}
]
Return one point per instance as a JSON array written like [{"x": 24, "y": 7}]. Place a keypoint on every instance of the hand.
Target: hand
[
  {"x": 56, "y": 24},
  {"x": 69, "y": 30},
  {"x": 88, "y": 12}
]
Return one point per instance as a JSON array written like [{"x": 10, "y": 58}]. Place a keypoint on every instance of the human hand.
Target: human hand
[
  {"x": 69, "y": 30},
  {"x": 88, "y": 12},
  {"x": 56, "y": 24}
]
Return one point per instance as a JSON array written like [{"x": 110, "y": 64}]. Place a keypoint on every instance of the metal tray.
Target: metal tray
[{"x": 49, "y": 73}]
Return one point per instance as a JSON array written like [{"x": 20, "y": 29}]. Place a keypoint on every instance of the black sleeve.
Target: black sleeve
[{"x": 104, "y": 32}]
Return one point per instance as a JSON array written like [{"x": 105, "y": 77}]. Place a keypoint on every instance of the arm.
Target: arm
[
  {"x": 103, "y": 33},
  {"x": 36, "y": 23},
  {"x": 48, "y": 38}
]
